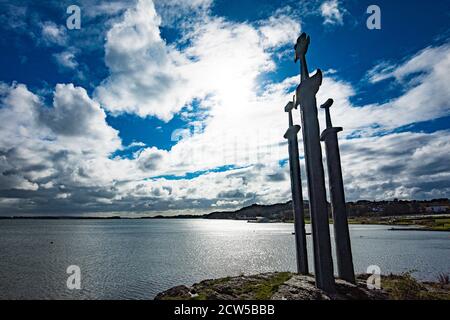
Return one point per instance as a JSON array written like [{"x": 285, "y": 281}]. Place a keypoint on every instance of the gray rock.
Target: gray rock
[
  {"x": 296, "y": 287},
  {"x": 178, "y": 292},
  {"x": 301, "y": 287}
]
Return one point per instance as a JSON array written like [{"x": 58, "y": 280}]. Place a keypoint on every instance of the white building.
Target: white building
[{"x": 437, "y": 209}]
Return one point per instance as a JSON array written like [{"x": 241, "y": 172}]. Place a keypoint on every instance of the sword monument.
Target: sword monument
[
  {"x": 337, "y": 196},
  {"x": 297, "y": 196},
  {"x": 318, "y": 207}
]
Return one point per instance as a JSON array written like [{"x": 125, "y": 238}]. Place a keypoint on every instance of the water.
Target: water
[{"x": 136, "y": 259}]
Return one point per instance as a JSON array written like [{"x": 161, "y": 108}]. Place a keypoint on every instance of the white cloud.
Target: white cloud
[
  {"x": 404, "y": 165},
  {"x": 428, "y": 60},
  {"x": 66, "y": 59},
  {"x": 53, "y": 34},
  {"x": 40, "y": 144},
  {"x": 279, "y": 30},
  {"x": 136, "y": 144},
  {"x": 109, "y": 8},
  {"x": 425, "y": 98},
  {"x": 151, "y": 159},
  {"x": 75, "y": 114},
  {"x": 332, "y": 13},
  {"x": 181, "y": 11},
  {"x": 143, "y": 68},
  {"x": 150, "y": 77}
]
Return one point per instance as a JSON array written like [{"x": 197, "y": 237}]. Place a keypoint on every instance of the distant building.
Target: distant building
[
  {"x": 259, "y": 220},
  {"x": 437, "y": 209}
]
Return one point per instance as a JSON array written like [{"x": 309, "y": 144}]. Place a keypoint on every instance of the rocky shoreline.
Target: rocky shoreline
[{"x": 289, "y": 286}]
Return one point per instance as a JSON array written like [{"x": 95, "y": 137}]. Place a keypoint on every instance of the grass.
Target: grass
[
  {"x": 266, "y": 288},
  {"x": 421, "y": 223},
  {"x": 444, "y": 279},
  {"x": 255, "y": 289},
  {"x": 203, "y": 294},
  {"x": 433, "y": 224},
  {"x": 405, "y": 287}
]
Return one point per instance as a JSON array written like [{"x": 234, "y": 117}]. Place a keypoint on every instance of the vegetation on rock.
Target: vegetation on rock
[{"x": 290, "y": 286}]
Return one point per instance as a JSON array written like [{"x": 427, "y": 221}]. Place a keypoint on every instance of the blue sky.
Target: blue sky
[{"x": 173, "y": 106}]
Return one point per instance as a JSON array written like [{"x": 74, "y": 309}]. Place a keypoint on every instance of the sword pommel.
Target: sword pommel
[
  {"x": 301, "y": 47},
  {"x": 327, "y": 106}
]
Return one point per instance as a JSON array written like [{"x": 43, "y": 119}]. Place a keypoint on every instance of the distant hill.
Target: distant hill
[
  {"x": 361, "y": 208},
  {"x": 281, "y": 211}
]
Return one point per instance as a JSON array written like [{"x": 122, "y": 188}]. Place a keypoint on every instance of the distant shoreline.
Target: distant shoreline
[
  {"x": 428, "y": 215},
  {"x": 93, "y": 218},
  {"x": 411, "y": 223}
]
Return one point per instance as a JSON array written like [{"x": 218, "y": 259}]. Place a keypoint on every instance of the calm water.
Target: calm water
[{"x": 136, "y": 259}]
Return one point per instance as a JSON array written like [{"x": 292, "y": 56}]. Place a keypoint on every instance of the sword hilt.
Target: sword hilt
[
  {"x": 288, "y": 108},
  {"x": 327, "y": 106},
  {"x": 301, "y": 48}
]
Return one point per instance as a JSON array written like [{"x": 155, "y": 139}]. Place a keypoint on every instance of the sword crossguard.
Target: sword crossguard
[
  {"x": 289, "y": 106},
  {"x": 327, "y": 104},
  {"x": 292, "y": 132},
  {"x": 308, "y": 87},
  {"x": 311, "y": 85}
]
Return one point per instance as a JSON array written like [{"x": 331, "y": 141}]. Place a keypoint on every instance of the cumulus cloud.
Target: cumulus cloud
[
  {"x": 142, "y": 66},
  {"x": 45, "y": 148},
  {"x": 152, "y": 78},
  {"x": 75, "y": 114},
  {"x": 151, "y": 159},
  {"x": 332, "y": 13}
]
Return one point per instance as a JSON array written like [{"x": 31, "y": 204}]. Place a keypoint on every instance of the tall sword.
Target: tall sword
[
  {"x": 297, "y": 196},
  {"x": 318, "y": 206},
  {"x": 337, "y": 196}
]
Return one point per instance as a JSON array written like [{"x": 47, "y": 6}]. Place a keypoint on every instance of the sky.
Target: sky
[{"x": 177, "y": 107}]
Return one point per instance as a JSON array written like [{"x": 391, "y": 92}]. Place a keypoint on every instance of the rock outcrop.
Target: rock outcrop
[{"x": 270, "y": 286}]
